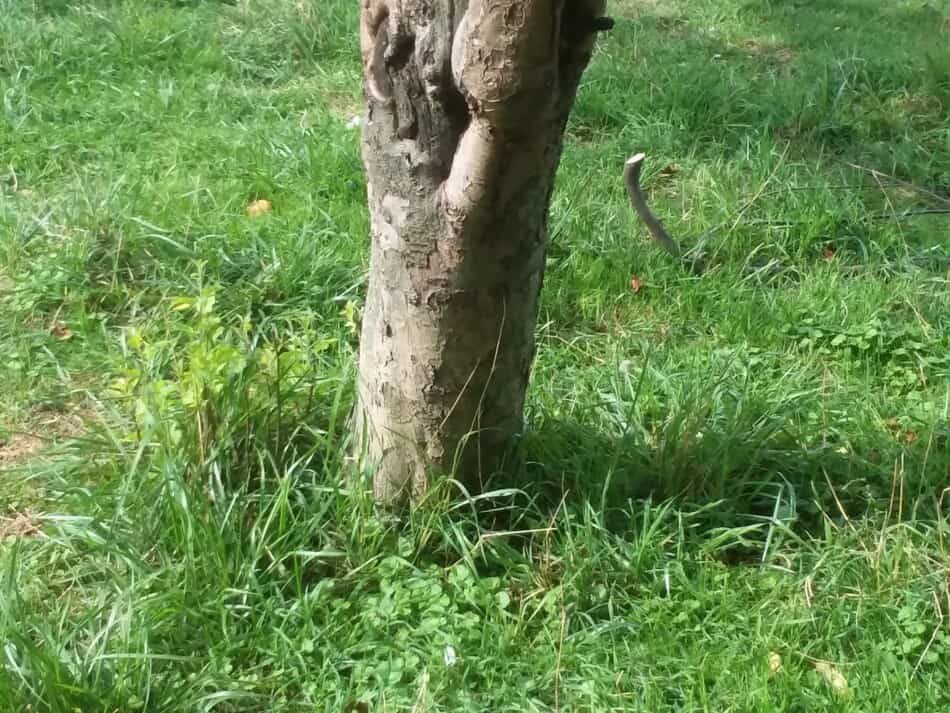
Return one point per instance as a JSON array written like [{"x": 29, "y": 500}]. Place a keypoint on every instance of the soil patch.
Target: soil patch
[{"x": 20, "y": 525}]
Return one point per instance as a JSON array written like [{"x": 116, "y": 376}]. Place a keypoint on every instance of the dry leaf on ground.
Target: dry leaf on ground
[
  {"x": 259, "y": 207},
  {"x": 17, "y": 448},
  {"x": 833, "y": 677}
]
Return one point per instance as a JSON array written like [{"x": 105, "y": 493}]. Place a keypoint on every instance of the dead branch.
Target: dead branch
[{"x": 659, "y": 234}]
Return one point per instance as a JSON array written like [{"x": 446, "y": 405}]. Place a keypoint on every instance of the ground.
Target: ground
[{"x": 733, "y": 492}]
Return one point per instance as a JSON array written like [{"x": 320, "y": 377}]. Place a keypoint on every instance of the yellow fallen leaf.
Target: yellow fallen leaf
[
  {"x": 833, "y": 677},
  {"x": 775, "y": 662},
  {"x": 259, "y": 207}
]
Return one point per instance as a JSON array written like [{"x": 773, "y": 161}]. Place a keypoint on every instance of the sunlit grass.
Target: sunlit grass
[{"x": 732, "y": 493}]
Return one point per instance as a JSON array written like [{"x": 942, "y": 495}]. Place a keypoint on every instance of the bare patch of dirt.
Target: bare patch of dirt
[
  {"x": 23, "y": 444},
  {"x": 55, "y": 425},
  {"x": 17, "y": 448},
  {"x": 27, "y": 440},
  {"x": 20, "y": 525}
]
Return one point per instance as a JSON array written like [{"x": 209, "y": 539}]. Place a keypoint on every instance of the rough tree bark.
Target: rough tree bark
[{"x": 466, "y": 107}]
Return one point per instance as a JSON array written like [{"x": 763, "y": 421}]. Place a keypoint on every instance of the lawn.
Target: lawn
[{"x": 733, "y": 494}]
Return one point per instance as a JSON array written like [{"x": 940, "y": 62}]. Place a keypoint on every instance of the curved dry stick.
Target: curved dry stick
[{"x": 631, "y": 175}]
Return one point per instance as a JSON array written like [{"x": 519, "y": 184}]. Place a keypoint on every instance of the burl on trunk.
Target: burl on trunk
[{"x": 466, "y": 108}]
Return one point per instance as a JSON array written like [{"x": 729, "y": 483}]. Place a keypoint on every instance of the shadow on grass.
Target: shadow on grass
[{"x": 739, "y": 475}]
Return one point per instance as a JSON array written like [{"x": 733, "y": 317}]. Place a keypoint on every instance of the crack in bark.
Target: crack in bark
[{"x": 465, "y": 144}]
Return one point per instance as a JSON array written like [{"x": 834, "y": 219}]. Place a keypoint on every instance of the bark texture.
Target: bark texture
[{"x": 466, "y": 108}]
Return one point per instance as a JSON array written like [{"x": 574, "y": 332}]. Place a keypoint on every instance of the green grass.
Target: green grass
[{"x": 721, "y": 472}]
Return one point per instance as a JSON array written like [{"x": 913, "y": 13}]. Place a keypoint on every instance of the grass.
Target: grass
[{"x": 733, "y": 493}]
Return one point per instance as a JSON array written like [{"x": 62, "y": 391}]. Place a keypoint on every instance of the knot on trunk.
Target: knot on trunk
[{"x": 510, "y": 57}]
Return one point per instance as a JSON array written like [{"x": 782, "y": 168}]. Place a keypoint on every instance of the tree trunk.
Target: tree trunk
[{"x": 466, "y": 108}]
